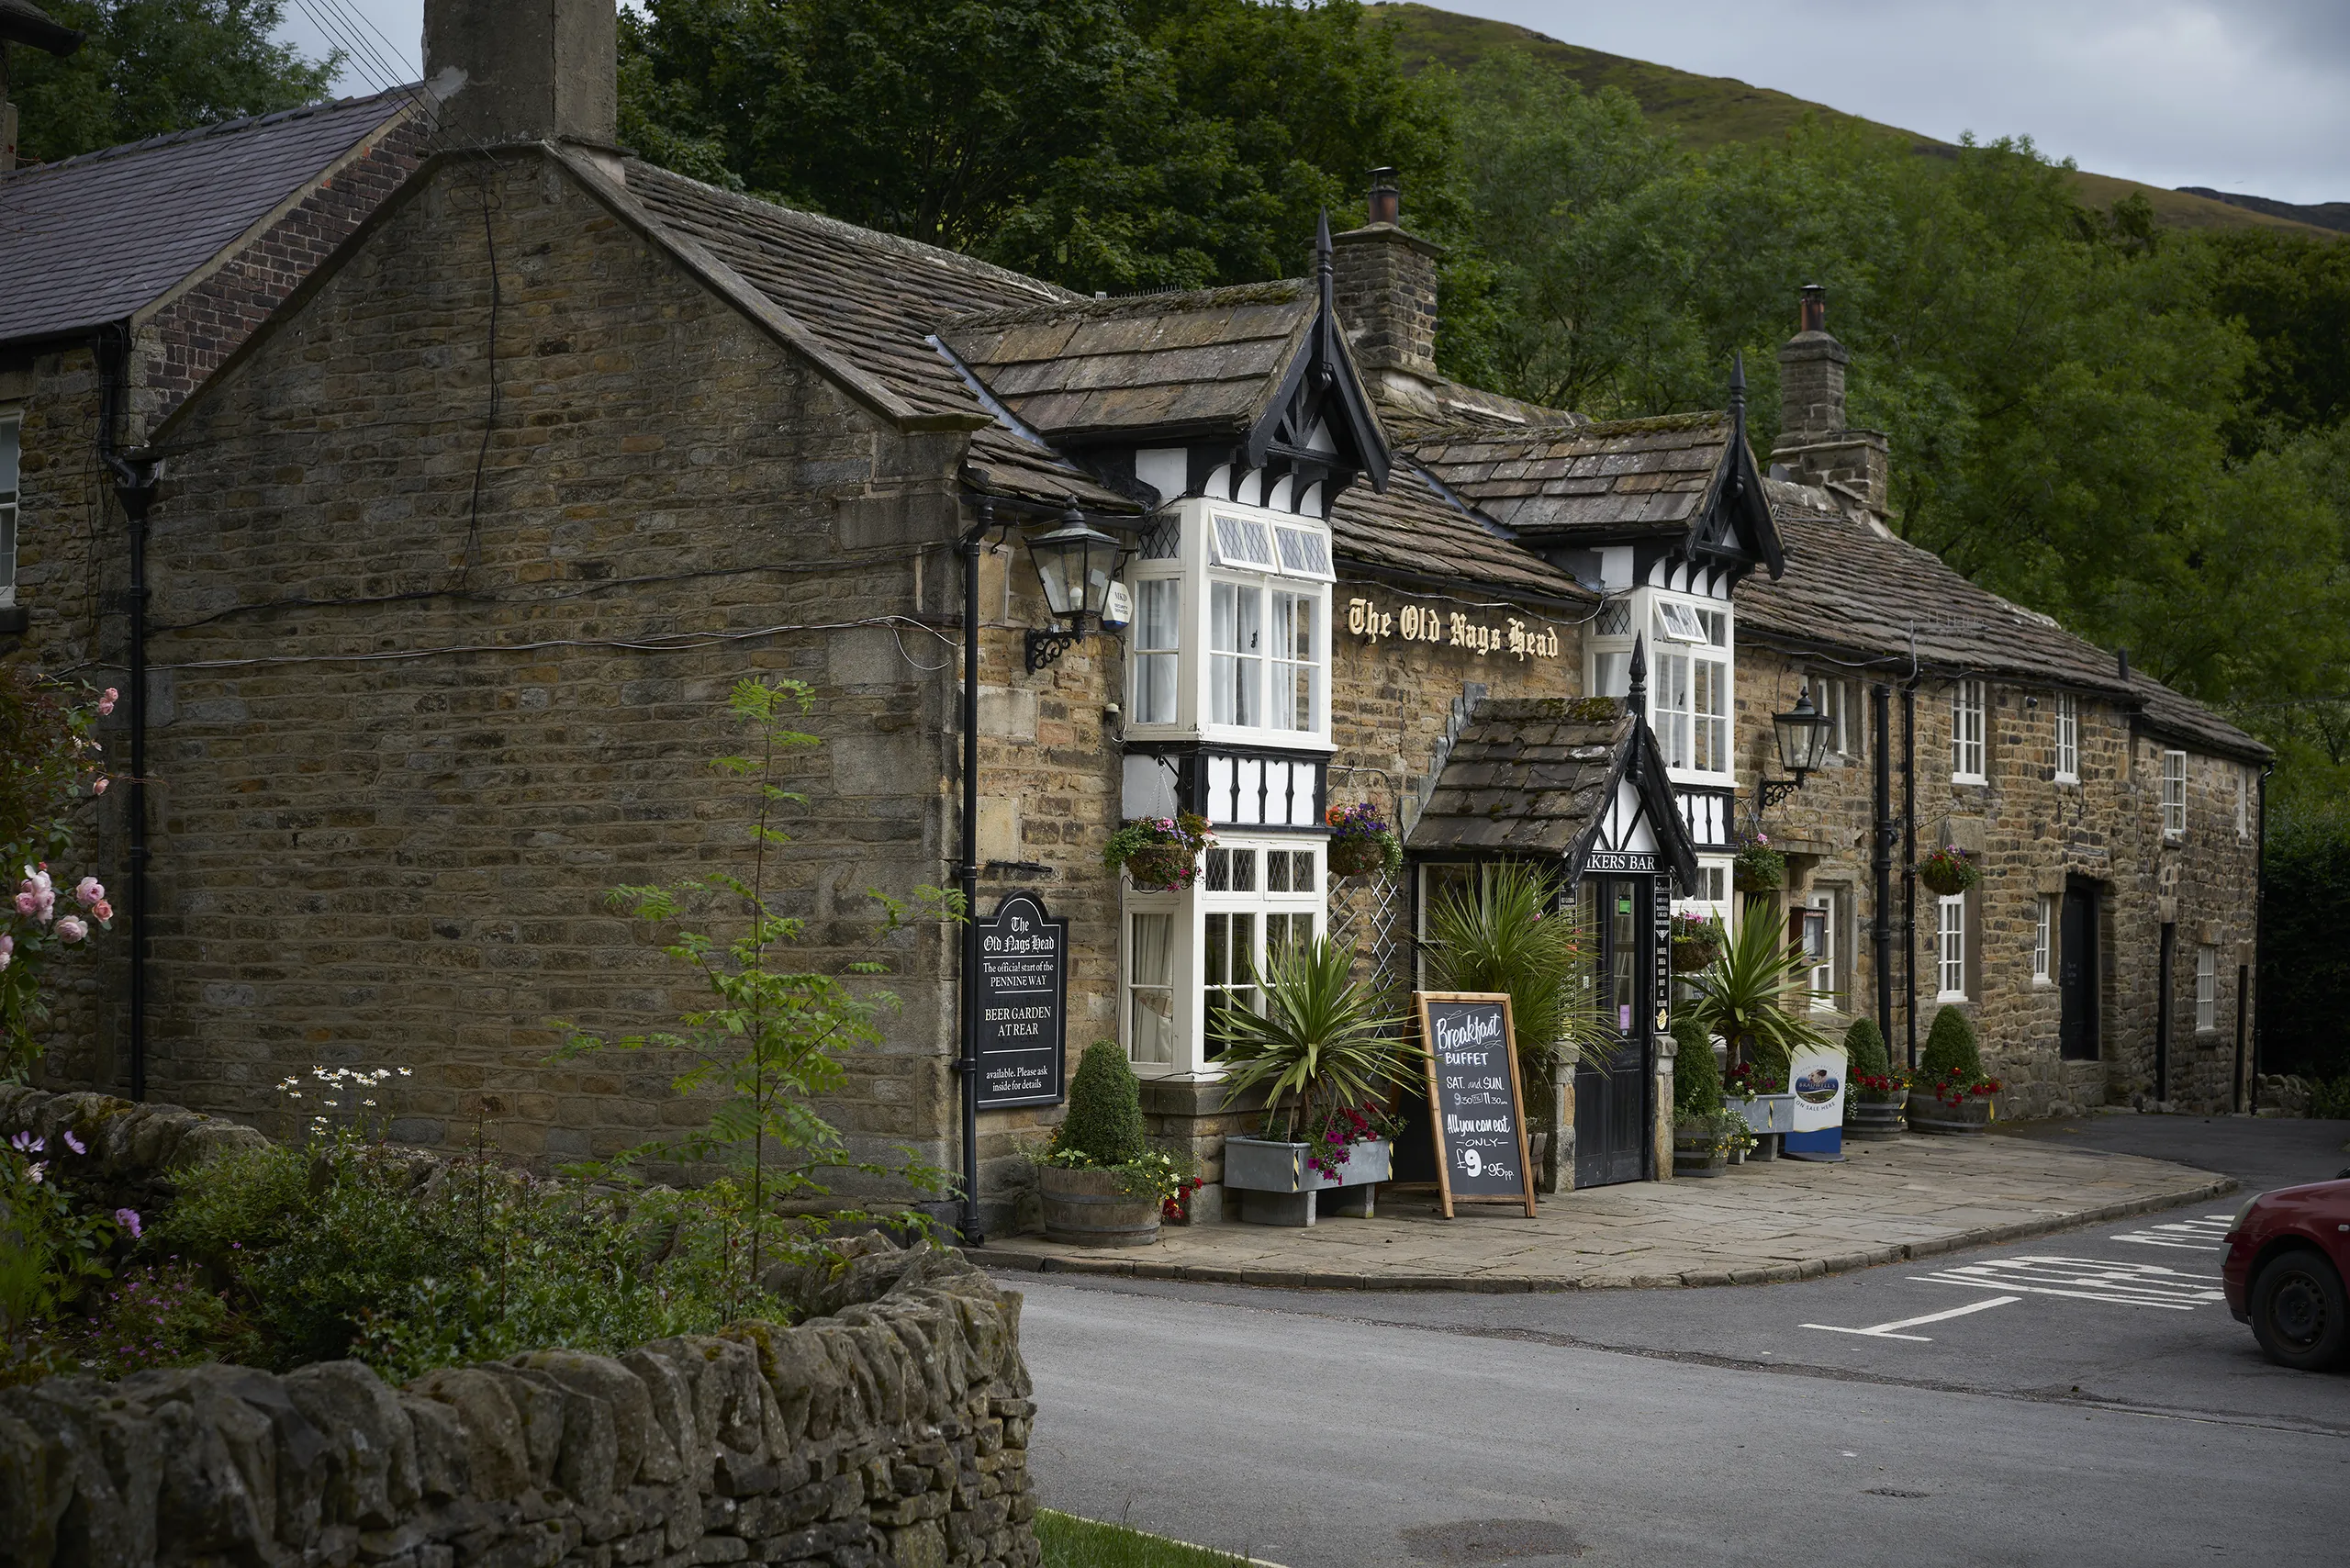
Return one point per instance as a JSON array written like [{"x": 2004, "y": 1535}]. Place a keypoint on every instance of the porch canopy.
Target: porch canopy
[{"x": 1572, "y": 779}]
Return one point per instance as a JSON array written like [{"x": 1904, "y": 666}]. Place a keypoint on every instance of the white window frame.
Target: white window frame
[
  {"x": 1692, "y": 686},
  {"x": 1968, "y": 700},
  {"x": 2173, "y": 777},
  {"x": 1245, "y": 553},
  {"x": 1713, "y": 894},
  {"x": 2207, "y": 989},
  {"x": 2044, "y": 941},
  {"x": 1821, "y": 977},
  {"x": 1190, "y": 911},
  {"x": 12, "y": 422},
  {"x": 1155, "y": 657},
  {"x": 1949, "y": 947},
  {"x": 2068, "y": 738},
  {"x": 2243, "y": 803},
  {"x": 1837, "y": 700}
]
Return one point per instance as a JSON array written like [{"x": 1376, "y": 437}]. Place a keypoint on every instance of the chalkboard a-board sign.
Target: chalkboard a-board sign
[
  {"x": 1021, "y": 998},
  {"x": 1476, "y": 1108}
]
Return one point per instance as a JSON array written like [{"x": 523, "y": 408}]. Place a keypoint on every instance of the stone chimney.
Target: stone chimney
[
  {"x": 523, "y": 71},
  {"x": 24, "y": 23},
  {"x": 1385, "y": 292},
  {"x": 1816, "y": 446}
]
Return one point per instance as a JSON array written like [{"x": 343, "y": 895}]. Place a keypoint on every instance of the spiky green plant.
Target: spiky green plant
[
  {"x": 1325, "y": 1041},
  {"x": 1744, "y": 996},
  {"x": 1501, "y": 933}
]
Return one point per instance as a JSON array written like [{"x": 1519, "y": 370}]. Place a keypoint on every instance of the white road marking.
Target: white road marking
[
  {"x": 2207, "y": 1234},
  {"x": 1886, "y": 1330},
  {"x": 2085, "y": 1279}
]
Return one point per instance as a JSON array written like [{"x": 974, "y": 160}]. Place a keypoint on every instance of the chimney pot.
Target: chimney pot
[
  {"x": 1815, "y": 309},
  {"x": 1386, "y": 197},
  {"x": 1383, "y": 287}
]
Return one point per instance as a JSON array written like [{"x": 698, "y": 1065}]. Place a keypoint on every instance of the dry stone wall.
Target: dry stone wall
[{"x": 892, "y": 1430}]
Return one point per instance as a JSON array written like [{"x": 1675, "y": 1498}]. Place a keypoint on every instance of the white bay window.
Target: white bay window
[
  {"x": 1690, "y": 678},
  {"x": 1192, "y": 957}
]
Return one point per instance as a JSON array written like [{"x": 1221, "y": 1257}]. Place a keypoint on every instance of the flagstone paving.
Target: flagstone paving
[{"x": 1754, "y": 1224}]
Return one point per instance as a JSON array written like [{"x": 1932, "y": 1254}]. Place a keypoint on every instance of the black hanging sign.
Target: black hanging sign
[
  {"x": 1021, "y": 999},
  {"x": 1476, "y": 1108}
]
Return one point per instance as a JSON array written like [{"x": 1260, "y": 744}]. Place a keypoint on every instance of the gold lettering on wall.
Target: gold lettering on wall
[{"x": 1451, "y": 629}]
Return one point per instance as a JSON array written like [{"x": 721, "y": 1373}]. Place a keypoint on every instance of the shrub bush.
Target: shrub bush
[
  {"x": 1696, "y": 1077},
  {"x": 1864, "y": 1050},
  {"x": 1951, "y": 1050},
  {"x": 1105, "y": 1122}
]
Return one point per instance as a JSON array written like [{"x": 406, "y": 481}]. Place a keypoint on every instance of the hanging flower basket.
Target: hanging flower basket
[
  {"x": 1759, "y": 869},
  {"x": 1360, "y": 843},
  {"x": 1697, "y": 943},
  {"x": 1161, "y": 854},
  {"x": 1949, "y": 870}
]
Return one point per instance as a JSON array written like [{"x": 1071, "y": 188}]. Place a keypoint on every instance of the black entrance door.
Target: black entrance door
[
  {"x": 1612, "y": 1090},
  {"x": 2077, "y": 976}
]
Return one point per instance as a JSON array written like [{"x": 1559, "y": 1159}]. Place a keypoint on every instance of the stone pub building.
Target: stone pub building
[{"x": 456, "y": 557}]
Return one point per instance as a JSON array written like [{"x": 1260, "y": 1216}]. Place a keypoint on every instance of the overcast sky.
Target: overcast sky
[{"x": 2241, "y": 94}]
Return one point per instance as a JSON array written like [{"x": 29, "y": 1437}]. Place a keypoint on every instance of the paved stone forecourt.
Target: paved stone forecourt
[{"x": 1756, "y": 1224}]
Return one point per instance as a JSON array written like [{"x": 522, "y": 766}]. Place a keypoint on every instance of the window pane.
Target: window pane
[
  {"x": 1305, "y": 553},
  {"x": 1952, "y": 947},
  {"x": 1243, "y": 542},
  {"x": 1236, "y": 641},
  {"x": 1277, "y": 871},
  {"x": 1157, "y": 612},
  {"x": 1150, "y": 975},
  {"x": 1295, "y": 674},
  {"x": 1218, "y": 877}
]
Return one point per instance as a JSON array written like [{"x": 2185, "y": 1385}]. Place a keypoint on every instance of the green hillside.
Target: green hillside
[{"x": 1707, "y": 111}]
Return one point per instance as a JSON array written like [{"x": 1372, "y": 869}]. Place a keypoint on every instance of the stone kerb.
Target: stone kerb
[{"x": 891, "y": 1427}]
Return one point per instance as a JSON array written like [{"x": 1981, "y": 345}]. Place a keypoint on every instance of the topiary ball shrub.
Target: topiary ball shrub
[
  {"x": 1105, "y": 1122},
  {"x": 1696, "y": 1077},
  {"x": 1951, "y": 1050},
  {"x": 1864, "y": 1050}
]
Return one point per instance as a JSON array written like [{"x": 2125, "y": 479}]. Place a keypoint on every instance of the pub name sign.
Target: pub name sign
[{"x": 1511, "y": 637}]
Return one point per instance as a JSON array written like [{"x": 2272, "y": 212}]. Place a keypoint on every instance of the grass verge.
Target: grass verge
[{"x": 1072, "y": 1542}]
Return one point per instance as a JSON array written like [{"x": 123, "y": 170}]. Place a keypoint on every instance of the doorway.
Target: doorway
[
  {"x": 2077, "y": 971},
  {"x": 1612, "y": 1110}
]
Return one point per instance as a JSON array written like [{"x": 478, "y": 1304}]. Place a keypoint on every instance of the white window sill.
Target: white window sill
[
  {"x": 1942, "y": 998},
  {"x": 2067, "y": 778},
  {"x": 1969, "y": 779},
  {"x": 2042, "y": 982}
]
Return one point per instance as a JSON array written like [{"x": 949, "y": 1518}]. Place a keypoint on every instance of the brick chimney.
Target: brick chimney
[
  {"x": 1816, "y": 446},
  {"x": 1385, "y": 292},
  {"x": 523, "y": 71},
  {"x": 24, "y": 23}
]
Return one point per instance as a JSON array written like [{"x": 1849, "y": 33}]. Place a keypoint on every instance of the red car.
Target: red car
[{"x": 2288, "y": 1253}]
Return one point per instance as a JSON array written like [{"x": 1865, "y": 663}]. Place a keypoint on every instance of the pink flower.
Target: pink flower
[
  {"x": 128, "y": 1220},
  {"x": 72, "y": 928},
  {"x": 106, "y": 702},
  {"x": 89, "y": 891},
  {"x": 99, "y": 788},
  {"x": 74, "y": 1144},
  {"x": 101, "y": 910}
]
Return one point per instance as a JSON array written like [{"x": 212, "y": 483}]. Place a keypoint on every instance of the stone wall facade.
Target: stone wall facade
[
  {"x": 2032, "y": 838},
  {"x": 894, "y": 1430}
]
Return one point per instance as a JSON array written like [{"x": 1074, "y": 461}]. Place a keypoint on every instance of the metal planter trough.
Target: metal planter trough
[
  {"x": 1281, "y": 1187},
  {"x": 1769, "y": 1117}
]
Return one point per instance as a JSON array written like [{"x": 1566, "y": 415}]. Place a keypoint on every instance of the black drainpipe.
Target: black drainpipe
[
  {"x": 1909, "y": 864},
  {"x": 967, "y": 874},
  {"x": 1881, "y": 862},
  {"x": 136, "y": 474},
  {"x": 2259, "y": 976}
]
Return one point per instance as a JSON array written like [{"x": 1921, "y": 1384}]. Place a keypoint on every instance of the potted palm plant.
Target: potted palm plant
[
  {"x": 1101, "y": 1182},
  {"x": 1743, "y": 996},
  {"x": 1324, "y": 1053},
  {"x": 1503, "y": 935}
]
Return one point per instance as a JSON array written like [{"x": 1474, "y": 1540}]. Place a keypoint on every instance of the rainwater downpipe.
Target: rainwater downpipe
[
  {"x": 1909, "y": 865},
  {"x": 1881, "y": 862},
  {"x": 2247, "y": 995},
  {"x": 136, "y": 474},
  {"x": 967, "y": 873}
]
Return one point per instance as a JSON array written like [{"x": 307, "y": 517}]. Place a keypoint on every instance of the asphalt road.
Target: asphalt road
[{"x": 2081, "y": 1399}]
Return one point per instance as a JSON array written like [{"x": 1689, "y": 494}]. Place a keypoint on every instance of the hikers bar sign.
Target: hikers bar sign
[{"x": 1476, "y": 1106}]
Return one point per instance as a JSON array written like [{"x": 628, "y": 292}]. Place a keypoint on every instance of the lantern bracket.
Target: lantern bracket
[{"x": 1046, "y": 648}]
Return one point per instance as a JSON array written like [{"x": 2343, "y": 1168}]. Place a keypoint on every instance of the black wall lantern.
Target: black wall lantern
[
  {"x": 1077, "y": 565},
  {"x": 1804, "y": 736}
]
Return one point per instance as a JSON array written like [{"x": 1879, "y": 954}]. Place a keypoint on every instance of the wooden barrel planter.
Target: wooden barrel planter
[
  {"x": 1697, "y": 1156},
  {"x": 1086, "y": 1209},
  {"x": 1874, "y": 1121},
  {"x": 1927, "y": 1114}
]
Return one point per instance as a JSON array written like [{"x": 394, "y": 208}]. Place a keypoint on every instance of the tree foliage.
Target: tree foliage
[{"x": 151, "y": 67}]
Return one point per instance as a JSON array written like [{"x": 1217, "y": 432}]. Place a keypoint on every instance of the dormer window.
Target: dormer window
[
  {"x": 1231, "y": 635},
  {"x": 1690, "y": 643}
]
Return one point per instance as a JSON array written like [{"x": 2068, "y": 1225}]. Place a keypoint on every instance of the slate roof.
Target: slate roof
[
  {"x": 98, "y": 238},
  {"x": 1527, "y": 776},
  {"x": 1547, "y": 481},
  {"x": 21, "y": 21},
  {"x": 1851, "y": 591},
  {"x": 1207, "y": 360},
  {"x": 871, "y": 302}
]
